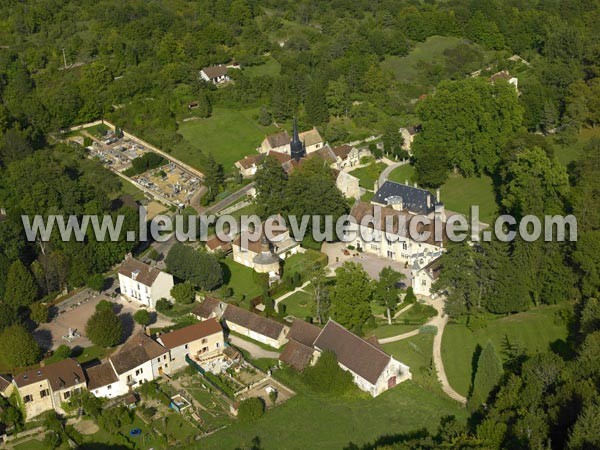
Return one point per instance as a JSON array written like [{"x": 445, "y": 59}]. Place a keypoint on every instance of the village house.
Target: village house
[
  {"x": 210, "y": 308},
  {"x": 299, "y": 351},
  {"x": 408, "y": 136},
  {"x": 250, "y": 164},
  {"x": 214, "y": 244},
  {"x": 141, "y": 359},
  {"x": 373, "y": 370},
  {"x": 506, "y": 76},
  {"x": 255, "y": 327},
  {"x": 279, "y": 142},
  {"x": 215, "y": 74},
  {"x": 202, "y": 342},
  {"x": 48, "y": 387},
  {"x": 422, "y": 278},
  {"x": 143, "y": 283},
  {"x": 346, "y": 156},
  {"x": 104, "y": 382},
  {"x": 348, "y": 184}
]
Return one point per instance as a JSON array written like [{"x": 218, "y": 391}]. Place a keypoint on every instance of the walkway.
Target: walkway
[
  {"x": 221, "y": 205},
  {"x": 254, "y": 350},
  {"x": 289, "y": 294},
  {"x": 383, "y": 176},
  {"x": 439, "y": 321}
]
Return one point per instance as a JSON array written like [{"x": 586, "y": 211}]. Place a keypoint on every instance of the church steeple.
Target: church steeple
[{"x": 297, "y": 149}]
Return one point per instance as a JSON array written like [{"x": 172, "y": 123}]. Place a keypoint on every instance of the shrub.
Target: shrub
[
  {"x": 410, "y": 296},
  {"x": 327, "y": 376},
  {"x": 104, "y": 328},
  {"x": 183, "y": 293},
  {"x": 476, "y": 322},
  {"x": 95, "y": 282},
  {"x": 62, "y": 352},
  {"x": 105, "y": 305},
  {"x": 273, "y": 396},
  {"x": 251, "y": 409},
  {"x": 38, "y": 312},
  {"x": 163, "y": 305},
  {"x": 142, "y": 317}
]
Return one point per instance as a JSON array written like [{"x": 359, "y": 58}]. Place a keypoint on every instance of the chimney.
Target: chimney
[
  {"x": 437, "y": 195},
  {"x": 406, "y": 182},
  {"x": 416, "y": 184}
]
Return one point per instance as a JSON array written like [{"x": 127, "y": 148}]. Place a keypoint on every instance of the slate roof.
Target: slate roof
[
  {"x": 434, "y": 268},
  {"x": 354, "y": 353},
  {"x": 296, "y": 355},
  {"x": 254, "y": 322},
  {"x": 207, "y": 307},
  {"x": 61, "y": 375},
  {"x": 101, "y": 375},
  {"x": 191, "y": 333},
  {"x": 146, "y": 274},
  {"x": 279, "y": 139},
  {"x": 414, "y": 199},
  {"x": 138, "y": 350},
  {"x": 215, "y": 71}
]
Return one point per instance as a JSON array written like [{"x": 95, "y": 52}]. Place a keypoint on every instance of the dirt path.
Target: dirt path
[
  {"x": 253, "y": 349},
  {"x": 439, "y": 322}
]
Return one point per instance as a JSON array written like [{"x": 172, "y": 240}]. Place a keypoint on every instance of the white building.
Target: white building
[
  {"x": 423, "y": 277},
  {"x": 215, "y": 74},
  {"x": 140, "y": 360},
  {"x": 202, "y": 342},
  {"x": 104, "y": 382},
  {"x": 254, "y": 326},
  {"x": 280, "y": 142},
  {"x": 144, "y": 284}
]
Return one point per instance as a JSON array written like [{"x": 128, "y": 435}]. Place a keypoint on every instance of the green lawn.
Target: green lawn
[
  {"x": 302, "y": 262},
  {"x": 298, "y": 305},
  {"x": 532, "y": 330},
  {"x": 459, "y": 193},
  {"x": 386, "y": 330},
  {"x": 431, "y": 51},
  {"x": 369, "y": 174},
  {"x": 270, "y": 67},
  {"x": 572, "y": 152},
  {"x": 240, "y": 279},
  {"x": 335, "y": 422},
  {"x": 32, "y": 444},
  {"x": 228, "y": 134},
  {"x": 415, "y": 352}
]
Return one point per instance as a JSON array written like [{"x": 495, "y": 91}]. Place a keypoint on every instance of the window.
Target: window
[
  {"x": 109, "y": 387},
  {"x": 67, "y": 395},
  {"x": 404, "y": 246},
  {"x": 186, "y": 346},
  {"x": 44, "y": 393},
  {"x": 204, "y": 341},
  {"x": 28, "y": 398},
  {"x": 139, "y": 371},
  {"x": 218, "y": 344}
]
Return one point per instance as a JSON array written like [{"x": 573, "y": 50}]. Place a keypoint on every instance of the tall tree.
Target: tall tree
[
  {"x": 487, "y": 377},
  {"x": 19, "y": 347},
  {"x": 315, "y": 104},
  {"x": 271, "y": 183},
  {"x": 214, "y": 176},
  {"x": 200, "y": 268},
  {"x": 319, "y": 281},
  {"x": 104, "y": 328},
  {"x": 21, "y": 289},
  {"x": 387, "y": 290},
  {"x": 351, "y": 296}
]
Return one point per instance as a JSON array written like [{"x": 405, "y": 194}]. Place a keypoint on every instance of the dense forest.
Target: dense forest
[{"x": 137, "y": 62}]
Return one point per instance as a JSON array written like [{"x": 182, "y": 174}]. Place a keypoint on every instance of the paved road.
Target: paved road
[
  {"x": 254, "y": 350},
  {"x": 229, "y": 200},
  {"x": 383, "y": 176}
]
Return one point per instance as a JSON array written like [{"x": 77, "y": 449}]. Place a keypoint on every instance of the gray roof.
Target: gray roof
[{"x": 415, "y": 200}]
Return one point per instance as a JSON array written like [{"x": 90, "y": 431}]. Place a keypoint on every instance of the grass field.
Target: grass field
[
  {"x": 569, "y": 153},
  {"x": 532, "y": 330},
  {"x": 228, "y": 134},
  {"x": 459, "y": 193},
  {"x": 240, "y": 279},
  {"x": 415, "y": 352},
  {"x": 386, "y": 330},
  {"x": 406, "y": 68},
  {"x": 298, "y": 305},
  {"x": 369, "y": 174},
  {"x": 270, "y": 67},
  {"x": 329, "y": 423}
]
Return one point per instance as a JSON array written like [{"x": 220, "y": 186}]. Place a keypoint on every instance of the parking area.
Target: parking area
[
  {"x": 73, "y": 314},
  {"x": 338, "y": 255}
]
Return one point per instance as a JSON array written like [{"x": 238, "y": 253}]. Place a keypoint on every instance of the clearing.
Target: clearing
[{"x": 533, "y": 330}]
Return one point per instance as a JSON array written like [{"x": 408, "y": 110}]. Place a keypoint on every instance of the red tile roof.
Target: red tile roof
[{"x": 191, "y": 333}]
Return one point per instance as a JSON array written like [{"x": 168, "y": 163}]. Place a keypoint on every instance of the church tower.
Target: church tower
[{"x": 297, "y": 149}]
